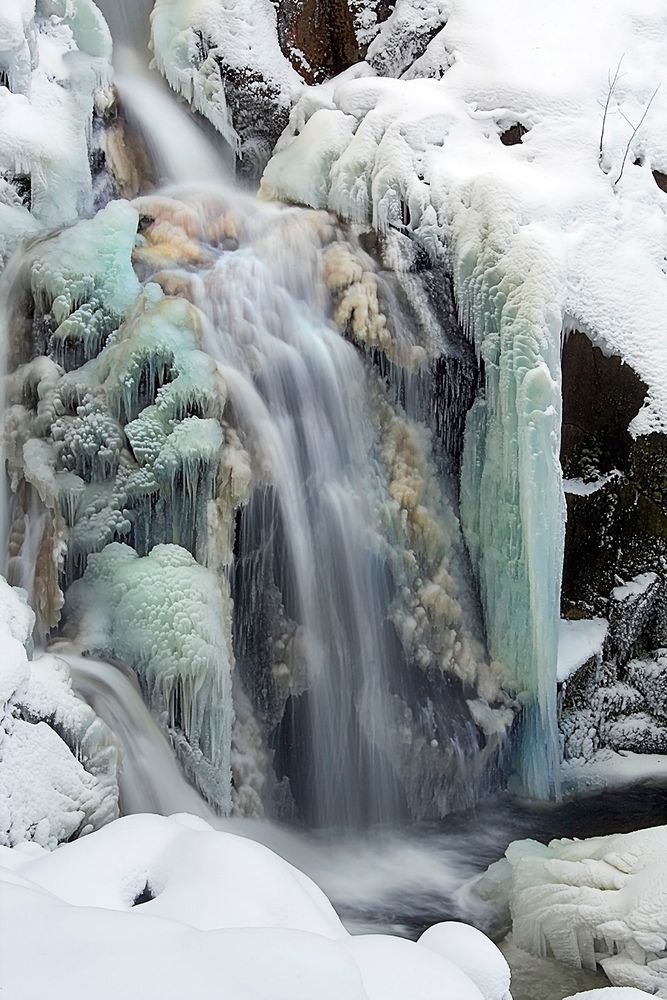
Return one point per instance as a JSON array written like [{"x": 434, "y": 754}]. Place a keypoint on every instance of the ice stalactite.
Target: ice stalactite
[{"x": 512, "y": 504}]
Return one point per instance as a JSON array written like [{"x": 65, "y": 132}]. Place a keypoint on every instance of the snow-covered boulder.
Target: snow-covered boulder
[
  {"x": 195, "y": 912},
  {"x": 57, "y": 759},
  {"x": 474, "y": 953},
  {"x": 593, "y": 902},
  {"x": 54, "y": 79}
]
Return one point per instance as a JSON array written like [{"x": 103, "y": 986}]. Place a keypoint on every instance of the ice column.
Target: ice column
[{"x": 512, "y": 503}]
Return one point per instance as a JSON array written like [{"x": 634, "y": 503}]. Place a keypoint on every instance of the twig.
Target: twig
[
  {"x": 612, "y": 86},
  {"x": 637, "y": 128}
]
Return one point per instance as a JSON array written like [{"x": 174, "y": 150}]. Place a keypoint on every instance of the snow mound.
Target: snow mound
[
  {"x": 156, "y": 890},
  {"x": 601, "y": 901},
  {"x": 474, "y": 953},
  {"x": 57, "y": 760},
  {"x": 578, "y": 642}
]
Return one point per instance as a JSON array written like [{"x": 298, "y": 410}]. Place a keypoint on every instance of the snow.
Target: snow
[
  {"x": 609, "y": 770},
  {"x": 612, "y": 993},
  {"x": 226, "y": 914},
  {"x": 57, "y": 762},
  {"x": 634, "y": 588},
  {"x": 593, "y": 902},
  {"x": 473, "y": 953},
  {"x": 578, "y": 642},
  {"x": 581, "y": 488}
]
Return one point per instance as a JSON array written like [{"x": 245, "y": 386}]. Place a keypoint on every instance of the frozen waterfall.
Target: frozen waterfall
[{"x": 233, "y": 436}]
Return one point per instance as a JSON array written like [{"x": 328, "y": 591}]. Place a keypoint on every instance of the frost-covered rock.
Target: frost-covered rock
[
  {"x": 54, "y": 77},
  {"x": 228, "y": 63},
  {"x": 601, "y": 901},
  {"x": 151, "y": 889},
  {"x": 57, "y": 759}
]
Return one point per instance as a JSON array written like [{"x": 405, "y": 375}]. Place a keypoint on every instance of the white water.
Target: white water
[
  {"x": 149, "y": 778},
  {"x": 188, "y": 156},
  {"x": 298, "y": 392},
  {"x": 369, "y": 877}
]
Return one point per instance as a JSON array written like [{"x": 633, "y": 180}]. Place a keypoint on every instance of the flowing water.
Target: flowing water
[
  {"x": 386, "y": 881},
  {"x": 308, "y": 540}
]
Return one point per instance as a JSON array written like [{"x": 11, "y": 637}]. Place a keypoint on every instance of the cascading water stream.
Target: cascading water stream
[
  {"x": 299, "y": 392},
  {"x": 351, "y": 635},
  {"x": 149, "y": 778}
]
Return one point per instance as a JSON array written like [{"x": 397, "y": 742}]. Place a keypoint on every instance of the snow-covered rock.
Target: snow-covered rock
[
  {"x": 194, "y": 912},
  {"x": 474, "y": 953},
  {"x": 57, "y": 759},
  {"x": 54, "y": 77}
]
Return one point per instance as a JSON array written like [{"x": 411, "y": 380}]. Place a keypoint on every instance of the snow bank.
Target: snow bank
[
  {"x": 194, "y": 912},
  {"x": 601, "y": 901},
  {"x": 57, "y": 761},
  {"x": 433, "y": 143}
]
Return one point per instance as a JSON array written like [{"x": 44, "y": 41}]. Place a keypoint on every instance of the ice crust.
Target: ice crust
[
  {"x": 250, "y": 924},
  {"x": 593, "y": 902}
]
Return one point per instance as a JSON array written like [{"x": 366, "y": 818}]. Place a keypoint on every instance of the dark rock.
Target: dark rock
[
  {"x": 144, "y": 896},
  {"x": 660, "y": 179},
  {"x": 318, "y": 37},
  {"x": 620, "y": 529},
  {"x": 513, "y": 135}
]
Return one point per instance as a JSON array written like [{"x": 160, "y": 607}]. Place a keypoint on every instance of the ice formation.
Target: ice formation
[
  {"x": 54, "y": 78},
  {"x": 165, "y": 616},
  {"x": 193, "y": 394},
  {"x": 57, "y": 759},
  {"x": 147, "y": 888},
  {"x": 512, "y": 432},
  {"x": 600, "y": 901}
]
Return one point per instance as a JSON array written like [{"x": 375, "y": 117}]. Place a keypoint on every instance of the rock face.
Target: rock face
[
  {"x": 321, "y": 38},
  {"x": 616, "y": 490}
]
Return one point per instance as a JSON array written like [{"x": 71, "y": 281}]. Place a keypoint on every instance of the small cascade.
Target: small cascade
[{"x": 149, "y": 779}]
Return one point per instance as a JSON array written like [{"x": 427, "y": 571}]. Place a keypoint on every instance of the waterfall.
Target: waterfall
[
  {"x": 299, "y": 391},
  {"x": 226, "y": 482},
  {"x": 149, "y": 778}
]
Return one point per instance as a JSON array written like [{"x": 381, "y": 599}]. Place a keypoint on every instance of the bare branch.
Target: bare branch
[
  {"x": 613, "y": 81},
  {"x": 637, "y": 128}
]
